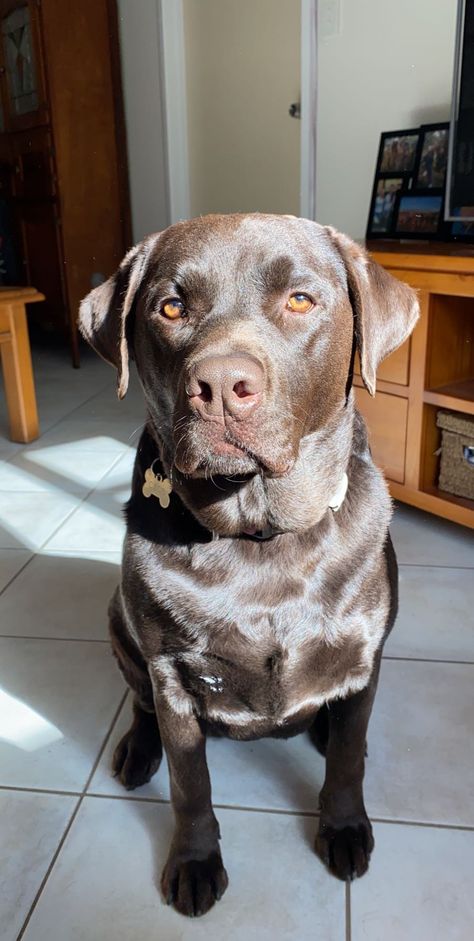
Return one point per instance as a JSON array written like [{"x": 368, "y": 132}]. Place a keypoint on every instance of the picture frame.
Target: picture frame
[
  {"x": 383, "y": 205},
  {"x": 409, "y": 203},
  {"x": 432, "y": 157},
  {"x": 396, "y": 149},
  {"x": 419, "y": 215},
  {"x": 398, "y": 152}
]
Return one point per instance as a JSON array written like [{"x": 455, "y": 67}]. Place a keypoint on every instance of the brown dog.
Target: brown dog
[{"x": 259, "y": 580}]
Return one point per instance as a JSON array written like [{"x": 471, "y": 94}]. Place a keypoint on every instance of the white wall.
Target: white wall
[
  {"x": 389, "y": 67},
  {"x": 140, "y": 53}
]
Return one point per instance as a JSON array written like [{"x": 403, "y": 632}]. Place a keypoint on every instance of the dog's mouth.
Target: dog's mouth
[{"x": 215, "y": 450}]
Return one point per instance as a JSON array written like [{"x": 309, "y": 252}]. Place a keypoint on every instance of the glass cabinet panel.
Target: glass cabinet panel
[{"x": 19, "y": 61}]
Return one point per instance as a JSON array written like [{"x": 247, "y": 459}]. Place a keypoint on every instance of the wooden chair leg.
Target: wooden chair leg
[{"x": 18, "y": 374}]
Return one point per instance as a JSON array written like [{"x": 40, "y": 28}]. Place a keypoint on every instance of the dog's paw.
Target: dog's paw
[
  {"x": 346, "y": 849},
  {"x": 194, "y": 885},
  {"x": 134, "y": 762}
]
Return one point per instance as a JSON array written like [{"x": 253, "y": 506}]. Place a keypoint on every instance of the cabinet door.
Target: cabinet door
[
  {"x": 21, "y": 66},
  {"x": 38, "y": 223},
  {"x": 32, "y": 153},
  {"x": 386, "y": 417}
]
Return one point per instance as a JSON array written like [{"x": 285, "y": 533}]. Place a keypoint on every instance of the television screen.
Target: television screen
[{"x": 460, "y": 186}]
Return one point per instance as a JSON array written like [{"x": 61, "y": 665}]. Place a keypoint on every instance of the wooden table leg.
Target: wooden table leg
[{"x": 18, "y": 373}]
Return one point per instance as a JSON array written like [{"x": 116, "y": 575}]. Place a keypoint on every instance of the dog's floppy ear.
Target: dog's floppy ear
[
  {"x": 385, "y": 309},
  {"x": 103, "y": 313}
]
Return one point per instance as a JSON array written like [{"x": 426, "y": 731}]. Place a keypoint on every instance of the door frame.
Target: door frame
[{"x": 173, "y": 72}]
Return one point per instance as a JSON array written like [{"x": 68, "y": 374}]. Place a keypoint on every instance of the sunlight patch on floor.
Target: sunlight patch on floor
[{"x": 22, "y": 726}]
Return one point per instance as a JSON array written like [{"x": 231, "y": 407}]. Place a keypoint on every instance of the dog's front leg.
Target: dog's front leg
[
  {"x": 345, "y": 839},
  {"x": 194, "y": 876}
]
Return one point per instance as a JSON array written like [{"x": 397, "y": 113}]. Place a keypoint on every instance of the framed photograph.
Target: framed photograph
[
  {"x": 419, "y": 215},
  {"x": 382, "y": 207},
  {"x": 398, "y": 151},
  {"x": 432, "y": 157}
]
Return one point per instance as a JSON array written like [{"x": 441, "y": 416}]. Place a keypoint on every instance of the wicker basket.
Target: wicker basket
[{"x": 456, "y": 472}]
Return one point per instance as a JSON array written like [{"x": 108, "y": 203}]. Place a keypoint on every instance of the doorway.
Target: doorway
[{"x": 240, "y": 111}]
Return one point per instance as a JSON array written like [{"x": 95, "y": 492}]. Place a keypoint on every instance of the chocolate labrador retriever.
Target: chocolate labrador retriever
[{"x": 259, "y": 580}]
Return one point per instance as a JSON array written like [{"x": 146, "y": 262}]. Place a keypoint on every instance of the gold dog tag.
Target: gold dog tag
[{"x": 157, "y": 486}]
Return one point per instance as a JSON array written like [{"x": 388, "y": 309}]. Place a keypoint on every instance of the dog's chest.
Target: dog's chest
[
  {"x": 265, "y": 688},
  {"x": 258, "y": 655}
]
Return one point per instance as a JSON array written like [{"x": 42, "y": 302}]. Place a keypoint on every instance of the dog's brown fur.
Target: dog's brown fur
[{"x": 215, "y": 630}]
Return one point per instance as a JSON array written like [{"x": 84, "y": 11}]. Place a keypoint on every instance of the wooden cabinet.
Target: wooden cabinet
[
  {"x": 63, "y": 173},
  {"x": 386, "y": 416},
  {"x": 433, "y": 369}
]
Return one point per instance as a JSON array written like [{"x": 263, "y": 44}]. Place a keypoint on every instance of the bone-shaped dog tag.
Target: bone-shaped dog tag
[{"x": 157, "y": 486}]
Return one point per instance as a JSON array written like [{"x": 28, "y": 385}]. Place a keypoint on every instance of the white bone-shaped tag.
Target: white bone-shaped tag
[{"x": 157, "y": 486}]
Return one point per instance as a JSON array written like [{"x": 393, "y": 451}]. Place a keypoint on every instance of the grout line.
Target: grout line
[
  {"x": 348, "y": 910},
  {"x": 40, "y": 790},
  {"x": 286, "y": 813},
  {"x": 434, "y": 565},
  {"x": 71, "y": 820},
  {"x": 48, "y": 871},
  {"x": 423, "y": 823},
  {"x": 429, "y": 660},
  {"x": 106, "y": 740},
  {"x": 20, "y": 570},
  {"x": 75, "y": 640},
  {"x": 242, "y": 808}
]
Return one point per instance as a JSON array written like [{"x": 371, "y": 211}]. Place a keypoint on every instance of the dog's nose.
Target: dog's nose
[{"x": 230, "y": 384}]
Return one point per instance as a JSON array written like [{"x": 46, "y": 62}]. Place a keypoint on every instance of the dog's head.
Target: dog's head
[{"x": 243, "y": 329}]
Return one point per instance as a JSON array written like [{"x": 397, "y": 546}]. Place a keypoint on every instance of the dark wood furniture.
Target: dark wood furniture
[
  {"x": 434, "y": 369},
  {"x": 64, "y": 215}
]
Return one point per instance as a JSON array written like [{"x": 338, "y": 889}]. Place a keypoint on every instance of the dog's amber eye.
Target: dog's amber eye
[
  {"x": 173, "y": 308},
  {"x": 300, "y": 303}
]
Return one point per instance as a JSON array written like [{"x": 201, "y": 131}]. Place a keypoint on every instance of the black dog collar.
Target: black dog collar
[{"x": 161, "y": 487}]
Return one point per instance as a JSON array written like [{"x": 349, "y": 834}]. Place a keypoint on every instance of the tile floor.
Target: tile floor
[{"x": 80, "y": 858}]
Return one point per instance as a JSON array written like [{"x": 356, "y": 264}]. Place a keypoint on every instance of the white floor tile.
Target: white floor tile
[
  {"x": 31, "y": 827},
  {"x": 28, "y": 519},
  {"x": 436, "y": 616},
  {"x": 58, "y": 699},
  {"x": 104, "y": 884},
  {"x": 55, "y": 469},
  {"x": 423, "y": 539},
  {"x": 61, "y": 596},
  {"x": 420, "y": 762},
  {"x": 418, "y": 888},
  {"x": 11, "y": 561},
  {"x": 98, "y": 524}
]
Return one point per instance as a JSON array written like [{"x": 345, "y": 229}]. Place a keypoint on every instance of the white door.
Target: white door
[{"x": 242, "y": 72}]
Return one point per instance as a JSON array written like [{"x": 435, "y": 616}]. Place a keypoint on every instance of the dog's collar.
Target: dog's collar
[
  {"x": 260, "y": 535},
  {"x": 157, "y": 486},
  {"x": 335, "y": 503}
]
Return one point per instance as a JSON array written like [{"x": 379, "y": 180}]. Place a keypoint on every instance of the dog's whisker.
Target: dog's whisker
[{"x": 140, "y": 428}]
